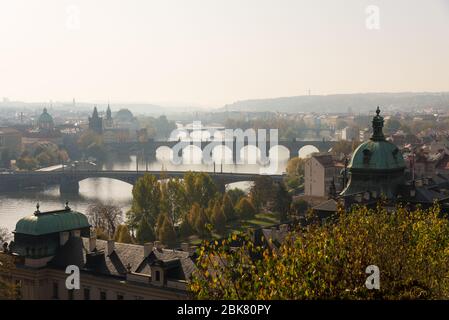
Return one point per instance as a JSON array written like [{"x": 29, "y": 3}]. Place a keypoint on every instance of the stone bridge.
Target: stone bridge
[
  {"x": 69, "y": 180},
  {"x": 150, "y": 147}
]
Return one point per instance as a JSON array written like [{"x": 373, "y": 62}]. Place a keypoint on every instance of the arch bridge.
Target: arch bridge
[
  {"x": 69, "y": 180},
  {"x": 150, "y": 147}
]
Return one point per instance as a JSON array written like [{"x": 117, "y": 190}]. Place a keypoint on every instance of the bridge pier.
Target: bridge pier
[{"x": 69, "y": 187}]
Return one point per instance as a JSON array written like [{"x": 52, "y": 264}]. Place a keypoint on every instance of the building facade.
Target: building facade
[
  {"x": 46, "y": 243},
  {"x": 321, "y": 174}
]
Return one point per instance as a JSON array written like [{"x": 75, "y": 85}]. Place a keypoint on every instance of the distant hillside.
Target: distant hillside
[{"x": 360, "y": 102}]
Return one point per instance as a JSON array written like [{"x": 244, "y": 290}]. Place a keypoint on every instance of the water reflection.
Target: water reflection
[{"x": 14, "y": 206}]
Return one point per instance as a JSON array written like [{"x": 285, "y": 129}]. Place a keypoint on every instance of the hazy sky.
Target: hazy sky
[{"x": 213, "y": 52}]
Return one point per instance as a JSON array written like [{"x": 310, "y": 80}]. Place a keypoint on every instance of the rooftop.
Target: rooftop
[{"x": 41, "y": 223}]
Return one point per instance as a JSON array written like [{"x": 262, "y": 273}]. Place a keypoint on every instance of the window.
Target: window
[
  {"x": 103, "y": 295},
  {"x": 158, "y": 276},
  {"x": 120, "y": 297},
  {"x": 86, "y": 294},
  {"x": 71, "y": 294},
  {"x": 55, "y": 290}
]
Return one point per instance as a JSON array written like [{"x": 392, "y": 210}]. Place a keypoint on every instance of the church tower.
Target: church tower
[
  {"x": 108, "y": 122},
  {"x": 96, "y": 122}
]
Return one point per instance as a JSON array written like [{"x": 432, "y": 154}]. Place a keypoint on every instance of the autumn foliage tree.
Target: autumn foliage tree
[
  {"x": 245, "y": 209},
  {"x": 329, "y": 260},
  {"x": 166, "y": 233}
]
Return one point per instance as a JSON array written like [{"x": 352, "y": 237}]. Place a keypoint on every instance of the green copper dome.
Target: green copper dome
[
  {"x": 51, "y": 222},
  {"x": 376, "y": 165},
  {"x": 45, "y": 117},
  {"x": 377, "y": 153}
]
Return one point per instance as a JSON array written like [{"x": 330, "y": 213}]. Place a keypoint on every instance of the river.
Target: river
[{"x": 14, "y": 206}]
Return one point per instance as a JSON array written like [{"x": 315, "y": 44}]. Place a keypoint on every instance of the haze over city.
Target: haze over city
[{"x": 212, "y": 53}]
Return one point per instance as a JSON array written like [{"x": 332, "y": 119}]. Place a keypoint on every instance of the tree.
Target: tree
[
  {"x": 299, "y": 206},
  {"x": 329, "y": 260},
  {"x": 199, "y": 188},
  {"x": 174, "y": 199},
  {"x": 145, "y": 232},
  {"x": 235, "y": 195},
  {"x": 282, "y": 202},
  {"x": 5, "y": 235},
  {"x": 91, "y": 144},
  {"x": 198, "y": 220},
  {"x": 218, "y": 219},
  {"x": 105, "y": 218},
  {"x": 245, "y": 209},
  {"x": 146, "y": 201},
  {"x": 166, "y": 233},
  {"x": 123, "y": 235},
  {"x": 295, "y": 167},
  {"x": 26, "y": 162},
  {"x": 228, "y": 208},
  {"x": 295, "y": 172},
  {"x": 8, "y": 290},
  {"x": 262, "y": 191}
]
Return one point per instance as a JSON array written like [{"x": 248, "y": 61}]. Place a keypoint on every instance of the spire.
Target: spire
[
  {"x": 378, "y": 123},
  {"x": 95, "y": 114},
  {"x": 108, "y": 113}
]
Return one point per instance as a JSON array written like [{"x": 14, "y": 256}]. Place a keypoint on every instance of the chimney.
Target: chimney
[
  {"x": 147, "y": 249},
  {"x": 185, "y": 247},
  {"x": 158, "y": 245},
  {"x": 110, "y": 247},
  {"x": 92, "y": 242}
]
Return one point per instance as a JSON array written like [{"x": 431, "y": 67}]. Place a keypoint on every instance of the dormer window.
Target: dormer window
[
  {"x": 158, "y": 276},
  {"x": 366, "y": 156}
]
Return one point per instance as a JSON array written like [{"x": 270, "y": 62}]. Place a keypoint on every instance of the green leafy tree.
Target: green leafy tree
[
  {"x": 329, "y": 260},
  {"x": 282, "y": 202},
  {"x": 146, "y": 201},
  {"x": 145, "y": 232},
  {"x": 174, "y": 199},
  {"x": 262, "y": 191},
  {"x": 199, "y": 188}
]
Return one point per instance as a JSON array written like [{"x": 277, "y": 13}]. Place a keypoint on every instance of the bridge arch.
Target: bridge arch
[
  {"x": 164, "y": 153},
  {"x": 307, "y": 150},
  {"x": 222, "y": 155},
  {"x": 279, "y": 153},
  {"x": 192, "y": 154},
  {"x": 250, "y": 154}
]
